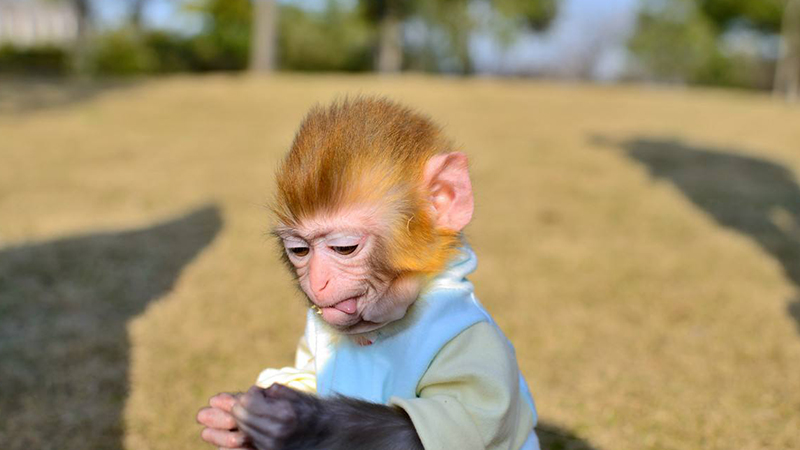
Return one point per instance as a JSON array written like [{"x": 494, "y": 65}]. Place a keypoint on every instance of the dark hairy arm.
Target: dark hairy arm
[{"x": 281, "y": 418}]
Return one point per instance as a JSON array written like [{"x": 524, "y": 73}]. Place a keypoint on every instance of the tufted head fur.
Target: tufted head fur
[{"x": 369, "y": 153}]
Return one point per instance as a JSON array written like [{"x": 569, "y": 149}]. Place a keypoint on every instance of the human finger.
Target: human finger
[
  {"x": 223, "y": 401},
  {"x": 216, "y": 418},
  {"x": 224, "y": 438}
]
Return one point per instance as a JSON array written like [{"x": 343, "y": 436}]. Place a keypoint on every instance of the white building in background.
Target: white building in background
[{"x": 30, "y": 23}]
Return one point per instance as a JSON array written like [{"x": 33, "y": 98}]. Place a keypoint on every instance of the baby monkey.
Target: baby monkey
[{"x": 398, "y": 353}]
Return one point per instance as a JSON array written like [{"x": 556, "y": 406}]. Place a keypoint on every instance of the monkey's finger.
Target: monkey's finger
[
  {"x": 216, "y": 418},
  {"x": 256, "y": 402},
  {"x": 267, "y": 424},
  {"x": 259, "y": 405},
  {"x": 254, "y": 391},
  {"x": 279, "y": 391},
  {"x": 262, "y": 440},
  {"x": 223, "y": 438},
  {"x": 223, "y": 401}
]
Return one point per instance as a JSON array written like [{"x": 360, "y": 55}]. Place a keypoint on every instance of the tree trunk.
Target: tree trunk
[
  {"x": 81, "y": 49},
  {"x": 137, "y": 9},
  {"x": 390, "y": 42},
  {"x": 787, "y": 73},
  {"x": 262, "y": 44},
  {"x": 462, "y": 51}
]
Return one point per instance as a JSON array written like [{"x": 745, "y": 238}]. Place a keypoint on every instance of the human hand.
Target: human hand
[{"x": 221, "y": 429}]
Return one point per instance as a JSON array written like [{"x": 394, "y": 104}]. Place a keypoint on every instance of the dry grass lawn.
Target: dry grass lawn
[{"x": 640, "y": 247}]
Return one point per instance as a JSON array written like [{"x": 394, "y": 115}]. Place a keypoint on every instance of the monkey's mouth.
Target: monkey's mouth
[
  {"x": 342, "y": 314},
  {"x": 348, "y": 306}
]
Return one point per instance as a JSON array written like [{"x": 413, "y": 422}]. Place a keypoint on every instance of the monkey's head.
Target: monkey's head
[{"x": 370, "y": 203}]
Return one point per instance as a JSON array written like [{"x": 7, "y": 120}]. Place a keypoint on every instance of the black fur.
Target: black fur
[{"x": 299, "y": 421}]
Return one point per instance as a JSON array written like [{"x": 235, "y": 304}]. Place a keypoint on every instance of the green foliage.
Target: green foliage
[
  {"x": 224, "y": 43},
  {"x": 374, "y": 10},
  {"x": 446, "y": 48},
  {"x": 47, "y": 61},
  {"x": 675, "y": 42},
  {"x": 336, "y": 39},
  {"x": 678, "y": 41},
  {"x": 450, "y": 23},
  {"x": 538, "y": 14},
  {"x": 172, "y": 53},
  {"x": 122, "y": 53},
  {"x": 765, "y": 15}
]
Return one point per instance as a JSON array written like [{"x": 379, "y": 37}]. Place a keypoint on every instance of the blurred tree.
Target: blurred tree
[
  {"x": 37, "y": 61},
  {"x": 262, "y": 45},
  {"x": 137, "y": 14},
  {"x": 84, "y": 53},
  {"x": 122, "y": 52},
  {"x": 171, "y": 52},
  {"x": 81, "y": 53},
  {"x": 442, "y": 29},
  {"x": 537, "y": 14},
  {"x": 675, "y": 42},
  {"x": 224, "y": 42},
  {"x": 336, "y": 38},
  {"x": 388, "y": 17},
  {"x": 449, "y": 25},
  {"x": 345, "y": 35},
  {"x": 680, "y": 40},
  {"x": 787, "y": 74},
  {"x": 764, "y": 15},
  {"x": 457, "y": 24}
]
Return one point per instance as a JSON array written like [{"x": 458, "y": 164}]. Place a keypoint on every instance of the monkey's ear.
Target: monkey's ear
[{"x": 446, "y": 179}]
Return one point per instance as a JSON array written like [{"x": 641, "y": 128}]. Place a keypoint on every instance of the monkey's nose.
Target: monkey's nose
[{"x": 324, "y": 285}]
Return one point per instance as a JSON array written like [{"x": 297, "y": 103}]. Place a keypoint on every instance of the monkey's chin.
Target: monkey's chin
[
  {"x": 349, "y": 325},
  {"x": 362, "y": 326}
]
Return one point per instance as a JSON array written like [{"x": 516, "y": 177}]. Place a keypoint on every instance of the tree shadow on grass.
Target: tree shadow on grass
[
  {"x": 19, "y": 96},
  {"x": 64, "y": 309},
  {"x": 756, "y": 197},
  {"x": 553, "y": 437}
]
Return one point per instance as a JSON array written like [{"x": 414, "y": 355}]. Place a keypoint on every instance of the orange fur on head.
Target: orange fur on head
[{"x": 369, "y": 153}]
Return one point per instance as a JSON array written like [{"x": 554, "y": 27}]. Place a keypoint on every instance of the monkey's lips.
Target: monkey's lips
[
  {"x": 347, "y": 306},
  {"x": 343, "y": 313}
]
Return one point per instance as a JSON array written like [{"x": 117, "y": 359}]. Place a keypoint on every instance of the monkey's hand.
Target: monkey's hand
[
  {"x": 221, "y": 429},
  {"x": 277, "y": 417},
  {"x": 280, "y": 418}
]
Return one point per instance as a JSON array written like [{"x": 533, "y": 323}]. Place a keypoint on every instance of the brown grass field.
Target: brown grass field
[{"x": 639, "y": 246}]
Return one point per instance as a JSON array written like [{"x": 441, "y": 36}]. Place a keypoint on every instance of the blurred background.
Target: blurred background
[
  {"x": 635, "y": 165},
  {"x": 749, "y": 44}
]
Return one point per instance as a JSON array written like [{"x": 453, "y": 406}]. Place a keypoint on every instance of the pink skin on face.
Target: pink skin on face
[
  {"x": 331, "y": 252},
  {"x": 331, "y": 257}
]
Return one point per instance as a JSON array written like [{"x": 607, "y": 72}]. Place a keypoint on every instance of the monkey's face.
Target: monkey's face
[{"x": 336, "y": 260}]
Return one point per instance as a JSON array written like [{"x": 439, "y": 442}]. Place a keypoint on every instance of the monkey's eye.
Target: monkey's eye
[
  {"x": 298, "y": 251},
  {"x": 344, "y": 244},
  {"x": 344, "y": 250}
]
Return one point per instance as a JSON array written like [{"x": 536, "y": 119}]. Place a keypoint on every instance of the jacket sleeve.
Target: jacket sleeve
[
  {"x": 469, "y": 398},
  {"x": 301, "y": 377},
  {"x": 303, "y": 359}
]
